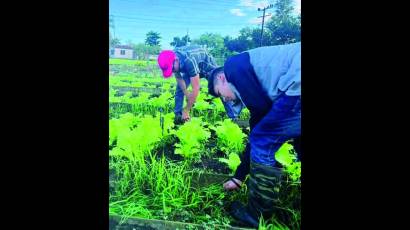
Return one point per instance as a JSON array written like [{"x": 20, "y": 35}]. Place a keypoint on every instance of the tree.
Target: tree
[
  {"x": 283, "y": 9},
  {"x": 256, "y": 37},
  {"x": 213, "y": 42},
  {"x": 115, "y": 41},
  {"x": 248, "y": 39},
  {"x": 285, "y": 32},
  {"x": 215, "y": 45},
  {"x": 284, "y": 27},
  {"x": 143, "y": 51},
  {"x": 234, "y": 45},
  {"x": 178, "y": 42},
  {"x": 186, "y": 39},
  {"x": 152, "y": 38}
]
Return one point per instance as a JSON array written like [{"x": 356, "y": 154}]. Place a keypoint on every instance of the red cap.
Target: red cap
[{"x": 165, "y": 61}]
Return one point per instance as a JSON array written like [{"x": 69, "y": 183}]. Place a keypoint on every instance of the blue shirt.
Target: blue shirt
[{"x": 194, "y": 60}]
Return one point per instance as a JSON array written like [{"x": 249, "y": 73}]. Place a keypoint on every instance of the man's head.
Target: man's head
[
  {"x": 168, "y": 62},
  {"x": 218, "y": 86}
]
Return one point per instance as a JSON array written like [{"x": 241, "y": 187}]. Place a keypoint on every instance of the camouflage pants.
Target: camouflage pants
[{"x": 264, "y": 186}]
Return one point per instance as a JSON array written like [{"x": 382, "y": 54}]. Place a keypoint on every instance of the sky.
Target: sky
[{"x": 133, "y": 19}]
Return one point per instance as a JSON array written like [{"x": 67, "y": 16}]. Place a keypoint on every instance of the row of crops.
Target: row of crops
[{"x": 160, "y": 171}]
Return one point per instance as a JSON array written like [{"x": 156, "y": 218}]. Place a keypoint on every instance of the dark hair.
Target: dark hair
[{"x": 211, "y": 80}]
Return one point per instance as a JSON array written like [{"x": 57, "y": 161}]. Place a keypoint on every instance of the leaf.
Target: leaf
[
  {"x": 191, "y": 143},
  {"x": 223, "y": 160},
  {"x": 233, "y": 161},
  {"x": 230, "y": 137},
  {"x": 287, "y": 157}
]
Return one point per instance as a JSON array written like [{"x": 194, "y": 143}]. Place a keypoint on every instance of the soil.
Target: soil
[
  {"x": 208, "y": 163},
  {"x": 154, "y": 95},
  {"x": 120, "y": 105},
  {"x": 211, "y": 163}
]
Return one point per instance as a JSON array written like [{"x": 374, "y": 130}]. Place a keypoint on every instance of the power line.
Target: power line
[
  {"x": 175, "y": 29},
  {"x": 190, "y": 8},
  {"x": 204, "y": 8},
  {"x": 216, "y": 3},
  {"x": 168, "y": 17},
  {"x": 181, "y": 28},
  {"x": 207, "y": 3},
  {"x": 184, "y": 26},
  {"x": 136, "y": 19},
  {"x": 206, "y": 21}
]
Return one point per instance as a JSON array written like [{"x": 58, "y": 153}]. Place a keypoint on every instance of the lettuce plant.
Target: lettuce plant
[
  {"x": 286, "y": 155},
  {"x": 163, "y": 101},
  {"x": 233, "y": 161},
  {"x": 192, "y": 136},
  {"x": 230, "y": 137},
  {"x": 135, "y": 143},
  {"x": 122, "y": 124}
]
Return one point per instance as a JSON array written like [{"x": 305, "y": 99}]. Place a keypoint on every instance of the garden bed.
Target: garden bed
[
  {"x": 125, "y": 107},
  {"x": 121, "y": 90},
  {"x": 147, "y": 224},
  {"x": 164, "y": 176},
  {"x": 289, "y": 193},
  {"x": 209, "y": 163}
]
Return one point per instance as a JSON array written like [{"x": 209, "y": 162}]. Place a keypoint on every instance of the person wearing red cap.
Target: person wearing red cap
[{"x": 189, "y": 64}]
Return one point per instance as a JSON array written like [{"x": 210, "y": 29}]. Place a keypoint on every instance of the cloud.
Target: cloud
[
  {"x": 261, "y": 4},
  {"x": 297, "y": 6},
  {"x": 237, "y": 12},
  {"x": 247, "y": 3},
  {"x": 252, "y": 4}
]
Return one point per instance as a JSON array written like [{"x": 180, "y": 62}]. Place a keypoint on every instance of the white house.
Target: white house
[
  {"x": 122, "y": 51},
  {"x": 152, "y": 57}
]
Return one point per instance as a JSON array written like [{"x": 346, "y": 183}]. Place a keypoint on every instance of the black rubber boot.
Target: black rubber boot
[
  {"x": 243, "y": 216},
  {"x": 178, "y": 120},
  {"x": 263, "y": 187}
]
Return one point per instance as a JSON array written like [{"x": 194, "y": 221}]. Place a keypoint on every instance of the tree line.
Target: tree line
[{"x": 282, "y": 28}]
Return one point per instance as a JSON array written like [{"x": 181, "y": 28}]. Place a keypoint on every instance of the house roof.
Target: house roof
[{"x": 123, "y": 47}]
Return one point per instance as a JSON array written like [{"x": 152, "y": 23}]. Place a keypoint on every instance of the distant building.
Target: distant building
[
  {"x": 152, "y": 57},
  {"x": 122, "y": 51}
]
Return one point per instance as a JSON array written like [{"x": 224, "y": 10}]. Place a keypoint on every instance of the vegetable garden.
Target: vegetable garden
[{"x": 164, "y": 176}]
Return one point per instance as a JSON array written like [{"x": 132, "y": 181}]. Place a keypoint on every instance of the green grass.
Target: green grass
[{"x": 116, "y": 61}]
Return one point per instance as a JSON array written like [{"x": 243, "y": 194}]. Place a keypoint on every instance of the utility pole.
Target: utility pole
[
  {"x": 263, "y": 19},
  {"x": 112, "y": 23},
  {"x": 187, "y": 30}
]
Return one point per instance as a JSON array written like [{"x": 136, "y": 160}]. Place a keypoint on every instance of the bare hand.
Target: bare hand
[{"x": 229, "y": 185}]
